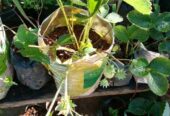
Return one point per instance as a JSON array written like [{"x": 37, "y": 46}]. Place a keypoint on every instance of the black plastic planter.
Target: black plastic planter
[{"x": 29, "y": 73}]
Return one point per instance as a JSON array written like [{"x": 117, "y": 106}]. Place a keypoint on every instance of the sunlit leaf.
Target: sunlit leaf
[
  {"x": 93, "y": 6},
  {"x": 143, "y": 6},
  {"x": 114, "y": 18},
  {"x": 109, "y": 71},
  {"x": 138, "y": 67},
  {"x": 120, "y": 74},
  {"x": 104, "y": 10},
  {"x": 79, "y": 2},
  {"x": 104, "y": 83}
]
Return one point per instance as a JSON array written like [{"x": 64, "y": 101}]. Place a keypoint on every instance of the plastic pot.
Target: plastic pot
[
  {"x": 123, "y": 82},
  {"x": 29, "y": 73},
  {"x": 148, "y": 55},
  {"x": 84, "y": 74},
  {"x": 9, "y": 71}
]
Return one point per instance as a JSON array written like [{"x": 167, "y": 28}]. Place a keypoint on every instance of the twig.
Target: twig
[
  {"x": 54, "y": 99},
  {"x": 38, "y": 19}
]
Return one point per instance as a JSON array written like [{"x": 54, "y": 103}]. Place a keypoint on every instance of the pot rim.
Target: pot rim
[{"x": 103, "y": 53}]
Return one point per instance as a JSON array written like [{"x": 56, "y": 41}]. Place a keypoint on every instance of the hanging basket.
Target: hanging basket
[
  {"x": 8, "y": 72},
  {"x": 83, "y": 74}
]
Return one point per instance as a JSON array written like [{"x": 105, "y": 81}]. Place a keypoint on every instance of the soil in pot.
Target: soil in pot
[{"x": 98, "y": 43}]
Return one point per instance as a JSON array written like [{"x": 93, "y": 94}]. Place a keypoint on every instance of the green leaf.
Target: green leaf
[
  {"x": 35, "y": 54},
  {"x": 65, "y": 39},
  {"x": 138, "y": 67},
  {"x": 158, "y": 83},
  {"x": 9, "y": 81},
  {"x": 114, "y": 18},
  {"x": 116, "y": 48},
  {"x": 140, "y": 20},
  {"x": 3, "y": 61},
  {"x": 105, "y": 1},
  {"x": 156, "y": 8},
  {"x": 166, "y": 110},
  {"x": 93, "y": 6},
  {"x": 164, "y": 47},
  {"x": 104, "y": 83},
  {"x": 3, "y": 67},
  {"x": 113, "y": 112},
  {"x": 121, "y": 33},
  {"x": 162, "y": 22},
  {"x": 113, "y": 7},
  {"x": 157, "y": 109},
  {"x": 109, "y": 71},
  {"x": 168, "y": 34},
  {"x": 87, "y": 48},
  {"x": 78, "y": 2},
  {"x": 25, "y": 37},
  {"x": 104, "y": 10},
  {"x": 142, "y": 6},
  {"x": 135, "y": 32},
  {"x": 81, "y": 18},
  {"x": 160, "y": 65},
  {"x": 120, "y": 74},
  {"x": 156, "y": 35},
  {"x": 139, "y": 106}
]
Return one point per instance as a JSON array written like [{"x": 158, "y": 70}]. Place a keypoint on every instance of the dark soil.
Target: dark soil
[
  {"x": 152, "y": 45},
  {"x": 96, "y": 40},
  {"x": 34, "y": 111}
]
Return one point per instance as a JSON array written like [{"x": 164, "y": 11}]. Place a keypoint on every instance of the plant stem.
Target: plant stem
[
  {"x": 70, "y": 29},
  {"x": 9, "y": 29},
  {"x": 87, "y": 29},
  {"x": 127, "y": 49},
  {"x": 115, "y": 59},
  {"x": 54, "y": 100},
  {"x": 39, "y": 14},
  {"x": 118, "y": 5},
  {"x": 66, "y": 94}
]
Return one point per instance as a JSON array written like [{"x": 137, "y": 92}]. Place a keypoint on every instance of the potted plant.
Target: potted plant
[
  {"x": 26, "y": 61},
  {"x": 6, "y": 70},
  {"x": 77, "y": 42},
  {"x": 69, "y": 41}
]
